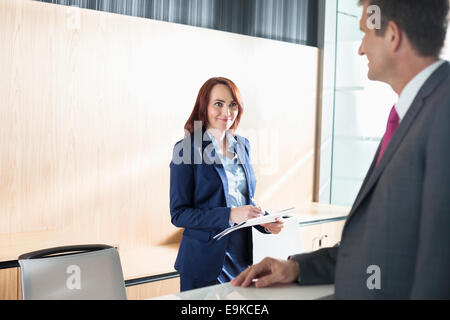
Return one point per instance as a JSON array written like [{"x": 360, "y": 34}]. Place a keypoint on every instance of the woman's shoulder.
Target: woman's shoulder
[
  {"x": 187, "y": 150},
  {"x": 182, "y": 141},
  {"x": 190, "y": 140},
  {"x": 193, "y": 140},
  {"x": 182, "y": 152},
  {"x": 242, "y": 139}
]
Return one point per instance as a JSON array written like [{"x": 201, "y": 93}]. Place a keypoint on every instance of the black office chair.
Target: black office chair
[{"x": 86, "y": 272}]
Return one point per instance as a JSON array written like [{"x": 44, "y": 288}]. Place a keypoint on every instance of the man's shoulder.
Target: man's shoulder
[
  {"x": 442, "y": 79},
  {"x": 436, "y": 90}
]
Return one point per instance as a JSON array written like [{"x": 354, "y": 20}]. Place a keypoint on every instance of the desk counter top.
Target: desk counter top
[
  {"x": 316, "y": 213},
  {"x": 141, "y": 261},
  {"x": 228, "y": 292}
]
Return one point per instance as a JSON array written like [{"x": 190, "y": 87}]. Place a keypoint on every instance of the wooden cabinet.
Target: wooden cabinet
[
  {"x": 332, "y": 232},
  {"x": 321, "y": 235}
]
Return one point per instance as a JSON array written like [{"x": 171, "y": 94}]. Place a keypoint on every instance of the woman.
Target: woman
[{"x": 212, "y": 184}]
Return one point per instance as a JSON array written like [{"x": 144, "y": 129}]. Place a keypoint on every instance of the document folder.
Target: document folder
[{"x": 284, "y": 214}]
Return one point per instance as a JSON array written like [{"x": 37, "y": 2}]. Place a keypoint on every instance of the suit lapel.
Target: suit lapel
[
  {"x": 243, "y": 159},
  {"x": 375, "y": 171},
  {"x": 209, "y": 157},
  {"x": 223, "y": 176}
]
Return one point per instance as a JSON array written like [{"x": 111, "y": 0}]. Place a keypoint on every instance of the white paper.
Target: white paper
[{"x": 255, "y": 222}]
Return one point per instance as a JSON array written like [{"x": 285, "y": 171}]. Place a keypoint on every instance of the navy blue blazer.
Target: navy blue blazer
[{"x": 199, "y": 203}]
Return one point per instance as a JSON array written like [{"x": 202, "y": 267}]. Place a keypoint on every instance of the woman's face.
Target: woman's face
[{"x": 222, "y": 108}]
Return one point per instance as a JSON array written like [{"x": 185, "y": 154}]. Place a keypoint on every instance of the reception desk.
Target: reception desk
[
  {"x": 149, "y": 271},
  {"x": 279, "y": 292}
]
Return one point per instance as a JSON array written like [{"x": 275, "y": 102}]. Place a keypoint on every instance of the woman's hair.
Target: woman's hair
[{"x": 200, "y": 112}]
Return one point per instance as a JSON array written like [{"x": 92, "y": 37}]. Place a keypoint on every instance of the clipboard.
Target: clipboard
[{"x": 284, "y": 214}]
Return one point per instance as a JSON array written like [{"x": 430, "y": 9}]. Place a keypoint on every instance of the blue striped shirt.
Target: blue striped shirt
[
  {"x": 237, "y": 181},
  {"x": 236, "y": 253}
]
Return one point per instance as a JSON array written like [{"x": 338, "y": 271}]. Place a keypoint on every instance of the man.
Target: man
[{"x": 395, "y": 243}]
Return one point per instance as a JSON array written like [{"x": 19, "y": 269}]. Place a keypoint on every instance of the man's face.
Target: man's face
[{"x": 374, "y": 48}]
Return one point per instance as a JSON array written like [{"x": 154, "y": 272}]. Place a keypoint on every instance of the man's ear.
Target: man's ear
[{"x": 393, "y": 36}]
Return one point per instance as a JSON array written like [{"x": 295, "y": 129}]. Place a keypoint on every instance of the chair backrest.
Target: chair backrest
[{"x": 89, "y": 272}]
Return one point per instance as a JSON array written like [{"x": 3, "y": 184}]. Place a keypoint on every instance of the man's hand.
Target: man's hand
[{"x": 268, "y": 272}]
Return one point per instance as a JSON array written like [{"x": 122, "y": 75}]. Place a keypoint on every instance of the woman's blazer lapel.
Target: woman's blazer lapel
[
  {"x": 209, "y": 158},
  {"x": 245, "y": 161}
]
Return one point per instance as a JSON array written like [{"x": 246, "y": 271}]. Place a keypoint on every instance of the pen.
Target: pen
[{"x": 256, "y": 205}]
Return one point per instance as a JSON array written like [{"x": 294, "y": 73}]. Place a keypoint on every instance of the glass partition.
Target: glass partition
[{"x": 360, "y": 111}]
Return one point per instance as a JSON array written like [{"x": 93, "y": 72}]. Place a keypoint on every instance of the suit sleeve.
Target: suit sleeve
[
  {"x": 432, "y": 274},
  {"x": 182, "y": 210},
  {"x": 317, "y": 267}
]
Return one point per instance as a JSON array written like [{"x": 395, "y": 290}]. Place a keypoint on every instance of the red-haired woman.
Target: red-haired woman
[{"x": 212, "y": 184}]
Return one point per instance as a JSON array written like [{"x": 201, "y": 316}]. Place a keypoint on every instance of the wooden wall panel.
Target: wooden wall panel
[
  {"x": 8, "y": 284},
  {"x": 19, "y": 285},
  {"x": 154, "y": 289},
  {"x": 92, "y": 104}
]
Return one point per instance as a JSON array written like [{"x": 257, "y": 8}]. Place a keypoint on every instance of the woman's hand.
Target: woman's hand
[
  {"x": 241, "y": 214},
  {"x": 274, "y": 227}
]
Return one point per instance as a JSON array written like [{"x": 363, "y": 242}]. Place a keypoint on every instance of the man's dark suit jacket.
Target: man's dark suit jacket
[{"x": 400, "y": 221}]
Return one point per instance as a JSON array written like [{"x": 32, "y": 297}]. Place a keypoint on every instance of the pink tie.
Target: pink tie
[{"x": 390, "y": 130}]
